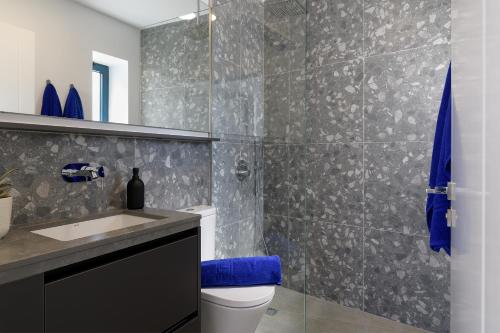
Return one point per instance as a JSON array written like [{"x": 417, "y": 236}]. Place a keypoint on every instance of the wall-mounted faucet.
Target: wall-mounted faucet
[{"x": 81, "y": 172}]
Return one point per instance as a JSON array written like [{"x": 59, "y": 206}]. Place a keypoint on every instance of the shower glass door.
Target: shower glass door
[{"x": 284, "y": 227}]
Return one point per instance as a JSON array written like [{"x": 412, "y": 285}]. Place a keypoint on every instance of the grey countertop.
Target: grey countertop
[{"x": 23, "y": 253}]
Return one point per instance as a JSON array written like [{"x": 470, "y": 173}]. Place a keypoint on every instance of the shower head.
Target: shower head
[{"x": 284, "y": 8}]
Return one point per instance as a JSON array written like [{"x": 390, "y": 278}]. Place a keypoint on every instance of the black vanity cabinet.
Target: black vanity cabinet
[
  {"x": 21, "y": 306},
  {"x": 151, "y": 287}
]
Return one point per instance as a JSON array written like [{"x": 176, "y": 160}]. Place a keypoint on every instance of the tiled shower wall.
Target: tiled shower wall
[
  {"x": 175, "y": 75},
  {"x": 345, "y": 181},
  {"x": 176, "y": 174}
]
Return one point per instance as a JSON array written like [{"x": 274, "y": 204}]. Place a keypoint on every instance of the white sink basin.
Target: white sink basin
[{"x": 83, "y": 229}]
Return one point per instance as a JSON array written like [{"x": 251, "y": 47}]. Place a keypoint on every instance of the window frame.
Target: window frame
[{"x": 103, "y": 71}]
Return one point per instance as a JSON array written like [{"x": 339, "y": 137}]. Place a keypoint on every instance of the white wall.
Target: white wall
[
  {"x": 66, "y": 34},
  {"x": 17, "y": 69}
]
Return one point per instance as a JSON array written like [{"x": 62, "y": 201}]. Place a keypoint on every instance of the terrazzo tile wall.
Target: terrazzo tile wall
[
  {"x": 344, "y": 180},
  {"x": 175, "y": 75},
  {"x": 176, "y": 174}
]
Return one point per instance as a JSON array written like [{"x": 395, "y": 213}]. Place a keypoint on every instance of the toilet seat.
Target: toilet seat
[{"x": 238, "y": 297}]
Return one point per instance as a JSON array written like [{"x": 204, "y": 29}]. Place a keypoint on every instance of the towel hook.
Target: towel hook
[
  {"x": 48, "y": 82},
  {"x": 71, "y": 85}
]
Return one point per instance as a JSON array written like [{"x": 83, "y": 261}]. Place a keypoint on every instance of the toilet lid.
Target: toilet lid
[{"x": 242, "y": 297}]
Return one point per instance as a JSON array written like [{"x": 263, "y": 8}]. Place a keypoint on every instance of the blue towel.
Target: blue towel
[
  {"x": 73, "y": 107},
  {"x": 438, "y": 205},
  {"x": 51, "y": 106},
  {"x": 237, "y": 272}
]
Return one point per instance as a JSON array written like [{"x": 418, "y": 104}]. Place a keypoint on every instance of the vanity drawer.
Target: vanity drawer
[{"x": 149, "y": 291}]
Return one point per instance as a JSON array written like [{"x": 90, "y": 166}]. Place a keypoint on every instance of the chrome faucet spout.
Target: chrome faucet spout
[{"x": 81, "y": 172}]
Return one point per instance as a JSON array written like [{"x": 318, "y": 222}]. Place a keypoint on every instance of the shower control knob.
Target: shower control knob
[{"x": 242, "y": 170}]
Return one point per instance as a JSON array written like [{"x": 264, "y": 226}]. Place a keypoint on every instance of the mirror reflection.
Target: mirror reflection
[{"x": 141, "y": 62}]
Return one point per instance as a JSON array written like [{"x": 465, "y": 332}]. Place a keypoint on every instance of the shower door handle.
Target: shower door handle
[{"x": 444, "y": 190}]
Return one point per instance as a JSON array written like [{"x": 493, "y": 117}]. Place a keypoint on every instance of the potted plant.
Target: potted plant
[{"x": 5, "y": 204}]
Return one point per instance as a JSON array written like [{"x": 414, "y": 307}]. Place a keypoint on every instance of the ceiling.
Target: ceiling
[{"x": 144, "y": 13}]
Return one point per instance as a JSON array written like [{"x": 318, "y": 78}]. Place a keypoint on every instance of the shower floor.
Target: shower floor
[{"x": 323, "y": 317}]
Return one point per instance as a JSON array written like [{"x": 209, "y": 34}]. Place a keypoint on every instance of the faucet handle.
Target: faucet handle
[{"x": 81, "y": 172}]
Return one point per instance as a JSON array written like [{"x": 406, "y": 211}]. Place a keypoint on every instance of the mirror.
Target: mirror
[{"x": 139, "y": 62}]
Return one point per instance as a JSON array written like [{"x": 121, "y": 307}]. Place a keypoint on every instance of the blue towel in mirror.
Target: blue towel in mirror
[
  {"x": 238, "y": 272},
  {"x": 438, "y": 205},
  {"x": 51, "y": 105},
  {"x": 73, "y": 107}
]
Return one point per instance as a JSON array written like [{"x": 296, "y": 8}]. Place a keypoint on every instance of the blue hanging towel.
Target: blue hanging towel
[
  {"x": 73, "y": 107},
  {"x": 237, "y": 272},
  {"x": 438, "y": 205},
  {"x": 51, "y": 106}
]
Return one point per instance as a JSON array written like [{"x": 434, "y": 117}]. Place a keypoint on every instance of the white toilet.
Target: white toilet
[{"x": 227, "y": 310}]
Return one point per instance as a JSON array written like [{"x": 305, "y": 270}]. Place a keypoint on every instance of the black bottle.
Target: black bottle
[{"x": 135, "y": 191}]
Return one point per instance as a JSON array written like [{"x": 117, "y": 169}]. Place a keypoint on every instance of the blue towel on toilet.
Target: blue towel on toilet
[
  {"x": 437, "y": 205},
  {"x": 238, "y": 272}
]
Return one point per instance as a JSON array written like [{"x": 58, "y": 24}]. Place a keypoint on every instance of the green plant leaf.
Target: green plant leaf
[{"x": 6, "y": 174}]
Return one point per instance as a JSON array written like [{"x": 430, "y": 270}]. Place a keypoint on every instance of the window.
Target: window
[{"x": 100, "y": 92}]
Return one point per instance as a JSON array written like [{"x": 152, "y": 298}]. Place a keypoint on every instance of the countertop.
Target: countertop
[{"x": 23, "y": 253}]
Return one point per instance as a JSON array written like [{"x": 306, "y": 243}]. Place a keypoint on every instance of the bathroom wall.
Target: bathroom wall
[
  {"x": 345, "y": 181},
  {"x": 66, "y": 33},
  {"x": 237, "y": 117},
  {"x": 176, "y": 174},
  {"x": 175, "y": 75}
]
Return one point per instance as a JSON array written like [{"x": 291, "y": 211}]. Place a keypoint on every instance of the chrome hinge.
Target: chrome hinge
[
  {"x": 442, "y": 190},
  {"x": 451, "y": 217}
]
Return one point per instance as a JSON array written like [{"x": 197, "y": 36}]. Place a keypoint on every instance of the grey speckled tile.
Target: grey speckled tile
[
  {"x": 335, "y": 31},
  {"x": 296, "y": 128},
  {"x": 235, "y": 200},
  {"x": 226, "y": 98},
  {"x": 335, "y": 262},
  {"x": 18, "y": 151},
  {"x": 276, "y": 106},
  {"x": 296, "y": 180},
  {"x": 252, "y": 38},
  {"x": 252, "y": 106},
  {"x": 175, "y": 75},
  {"x": 164, "y": 107},
  {"x": 335, "y": 103},
  {"x": 247, "y": 238},
  {"x": 276, "y": 241},
  {"x": 163, "y": 53},
  {"x": 284, "y": 116},
  {"x": 402, "y": 99},
  {"x": 117, "y": 156},
  {"x": 405, "y": 281},
  {"x": 226, "y": 241},
  {"x": 284, "y": 46},
  {"x": 334, "y": 180},
  {"x": 52, "y": 196},
  {"x": 196, "y": 108},
  {"x": 297, "y": 254},
  {"x": 175, "y": 175},
  {"x": 275, "y": 180},
  {"x": 226, "y": 196},
  {"x": 226, "y": 32},
  {"x": 396, "y": 176},
  {"x": 395, "y": 25}
]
